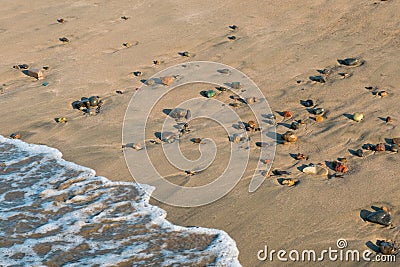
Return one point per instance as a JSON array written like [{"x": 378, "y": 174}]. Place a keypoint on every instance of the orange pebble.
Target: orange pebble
[
  {"x": 287, "y": 114},
  {"x": 340, "y": 167},
  {"x": 319, "y": 118}
]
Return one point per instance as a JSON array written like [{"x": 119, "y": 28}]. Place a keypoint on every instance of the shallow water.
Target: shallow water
[{"x": 57, "y": 213}]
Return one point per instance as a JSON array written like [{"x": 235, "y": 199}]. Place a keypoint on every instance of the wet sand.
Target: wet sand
[{"x": 276, "y": 45}]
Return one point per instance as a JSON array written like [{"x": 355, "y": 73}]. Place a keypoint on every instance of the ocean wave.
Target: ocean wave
[{"x": 57, "y": 213}]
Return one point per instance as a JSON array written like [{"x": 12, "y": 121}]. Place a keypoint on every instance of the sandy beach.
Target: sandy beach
[{"x": 279, "y": 45}]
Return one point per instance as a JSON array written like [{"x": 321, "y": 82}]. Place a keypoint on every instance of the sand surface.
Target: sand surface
[{"x": 276, "y": 45}]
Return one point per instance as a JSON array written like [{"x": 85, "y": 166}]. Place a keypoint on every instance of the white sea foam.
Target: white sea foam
[{"x": 54, "y": 212}]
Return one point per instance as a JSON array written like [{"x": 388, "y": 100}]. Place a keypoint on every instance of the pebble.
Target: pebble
[
  {"x": 360, "y": 153},
  {"x": 64, "y": 39},
  {"x": 358, "y": 117},
  {"x": 167, "y": 80},
  {"x": 224, "y": 71},
  {"x": 290, "y": 137},
  {"x": 348, "y": 61},
  {"x": 317, "y": 78},
  {"x": 380, "y": 217},
  {"x": 15, "y": 136}
]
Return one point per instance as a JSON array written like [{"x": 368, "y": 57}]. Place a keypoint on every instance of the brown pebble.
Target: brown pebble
[
  {"x": 127, "y": 45},
  {"x": 382, "y": 93},
  {"x": 167, "y": 80},
  {"x": 385, "y": 209},
  {"x": 319, "y": 118},
  {"x": 380, "y": 147},
  {"x": 301, "y": 156},
  {"x": 15, "y": 136},
  {"x": 287, "y": 114},
  {"x": 289, "y": 136},
  {"x": 252, "y": 125},
  {"x": 196, "y": 140}
]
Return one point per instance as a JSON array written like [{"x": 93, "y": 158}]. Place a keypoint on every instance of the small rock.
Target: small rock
[
  {"x": 287, "y": 114},
  {"x": 295, "y": 125},
  {"x": 358, "y": 117},
  {"x": 318, "y": 111},
  {"x": 380, "y": 217},
  {"x": 319, "y": 118},
  {"x": 127, "y": 44},
  {"x": 64, "y": 39},
  {"x": 167, "y": 80},
  {"x": 196, "y": 140},
  {"x": 382, "y": 93},
  {"x": 236, "y": 138},
  {"x": 137, "y": 146},
  {"x": 15, "y": 136},
  {"x": 36, "y": 73},
  {"x": 388, "y": 247},
  {"x": 210, "y": 93},
  {"x": 250, "y": 100},
  {"x": 348, "y": 61},
  {"x": 307, "y": 103},
  {"x": 61, "y": 120},
  {"x": 359, "y": 152},
  {"x": 317, "y": 78},
  {"x": 380, "y": 147},
  {"x": 315, "y": 170},
  {"x": 340, "y": 167},
  {"x": 224, "y": 71},
  {"x": 344, "y": 75},
  {"x": 290, "y": 137},
  {"x": 301, "y": 156},
  {"x": 289, "y": 182},
  {"x": 186, "y": 54}
]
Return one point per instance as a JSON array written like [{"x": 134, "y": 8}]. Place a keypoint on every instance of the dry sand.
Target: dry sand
[{"x": 277, "y": 44}]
